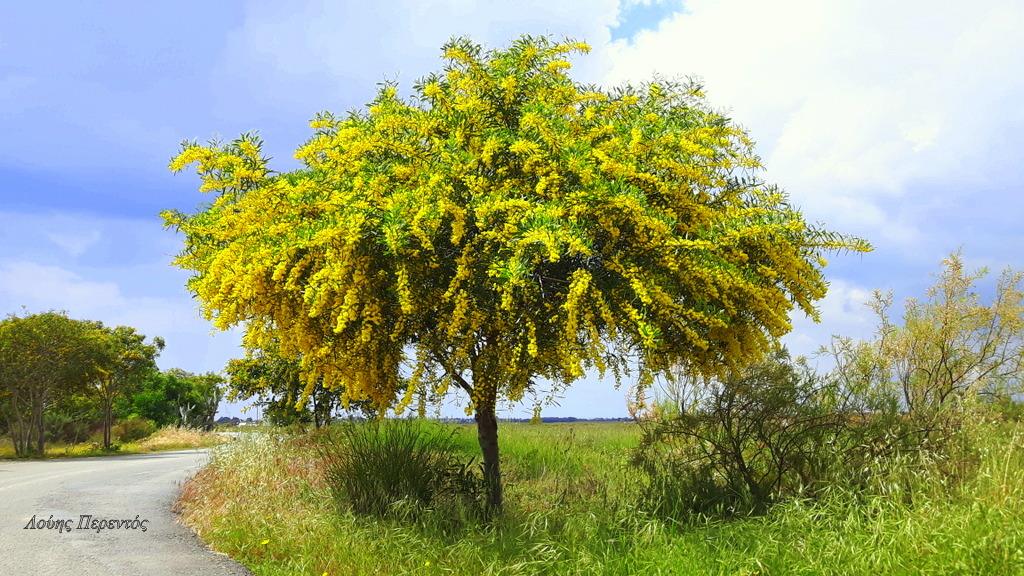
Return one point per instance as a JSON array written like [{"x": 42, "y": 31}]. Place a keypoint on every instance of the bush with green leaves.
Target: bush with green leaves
[
  {"x": 777, "y": 430},
  {"x": 917, "y": 394},
  {"x": 62, "y": 426},
  {"x": 134, "y": 428},
  {"x": 739, "y": 443},
  {"x": 1009, "y": 408},
  {"x": 380, "y": 467}
]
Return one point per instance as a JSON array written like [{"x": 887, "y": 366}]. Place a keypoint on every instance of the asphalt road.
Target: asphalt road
[{"x": 107, "y": 489}]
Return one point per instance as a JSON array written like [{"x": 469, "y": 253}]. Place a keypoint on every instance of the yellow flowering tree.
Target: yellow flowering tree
[{"x": 503, "y": 224}]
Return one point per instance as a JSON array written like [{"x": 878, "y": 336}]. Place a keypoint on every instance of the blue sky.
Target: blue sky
[{"x": 901, "y": 124}]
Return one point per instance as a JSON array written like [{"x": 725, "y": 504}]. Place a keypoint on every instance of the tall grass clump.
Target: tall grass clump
[
  {"x": 174, "y": 438},
  {"x": 379, "y": 467}
]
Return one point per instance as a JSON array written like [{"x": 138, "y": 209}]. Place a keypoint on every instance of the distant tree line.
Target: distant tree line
[{"x": 63, "y": 379}]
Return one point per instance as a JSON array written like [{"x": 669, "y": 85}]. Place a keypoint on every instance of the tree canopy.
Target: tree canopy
[
  {"x": 43, "y": 358},
  {"x": 501, "y": 224},
  {"x": 123, "y": 361},
  {"x": 175, "y": 397},
  {"x": 61, "y": 379},
  {"x": 277, "y": 384}
]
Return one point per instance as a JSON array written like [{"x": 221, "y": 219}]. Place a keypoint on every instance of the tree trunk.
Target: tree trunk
[
  {"x": 40, "y": 429},
  {"x": 18, "y": 427},
  {"x": 185, "y": 410},
  {"x": 316, "y": 411},
  {"x": 22, "y": 434},
  {"x": 41, "y": 439},
  {"x": 487, "y": 435},
  {"x": 108, "y": 414}
]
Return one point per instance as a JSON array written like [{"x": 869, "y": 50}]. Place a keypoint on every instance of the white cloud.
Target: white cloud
[
  {"x": 115, "y": 270},
  {"x": 854, "y": 102},
  {"x": 33, "y": 284},
  {"x": 39, "y": 287},
  {"x": 75, "y": 243},
  {"x": 317, "y": 55},
  {"x": 844, "y": 312}
]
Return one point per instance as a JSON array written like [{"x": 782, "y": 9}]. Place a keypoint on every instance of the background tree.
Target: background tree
[
  {"x": 124, "y": 361},
  {"x": 175, "y": 397},
  {"x": 207, "y": 392},
  {"x": 190, "y": 400},
  {"x": 503, "y": 224},
  {"x": 43, "y": 358},
  {"x": 277, "y": 382},
  {"x": 73, "y": 417},
  {"x": 950, "y": 351},
  {"x": 156, "y": 398},
  {"x": 185, "y": 397}
]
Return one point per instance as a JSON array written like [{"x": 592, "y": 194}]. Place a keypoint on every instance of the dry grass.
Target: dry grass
[
  {"x": 171, "y": 438},
  {"x": 167, "y": 438}
]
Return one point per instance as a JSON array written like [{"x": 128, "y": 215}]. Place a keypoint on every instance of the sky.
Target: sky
[{"x": 900, "y": 122}]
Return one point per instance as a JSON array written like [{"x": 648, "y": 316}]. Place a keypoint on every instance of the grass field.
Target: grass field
[
  {"x": 169, "y": 438},
  {"x": 572, "y": 508}
]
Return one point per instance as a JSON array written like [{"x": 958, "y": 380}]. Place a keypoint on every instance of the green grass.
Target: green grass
[
  {"x": 572, "y": 509},
  {"x": 168, "y": 438}
]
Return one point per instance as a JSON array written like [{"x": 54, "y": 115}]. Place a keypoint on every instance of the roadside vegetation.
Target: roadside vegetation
[
  {"x": 77, "y": 387},
  {"x": 576, "y": 506},
  {"x": 907, "y": 457},
  {"x": 167, "y": 438}
]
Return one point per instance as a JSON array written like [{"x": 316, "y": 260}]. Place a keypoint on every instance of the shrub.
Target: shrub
[
  {"x": 942, "y": 366},
  {"x": 777, "y": 430},
  {"x": 1009, "y": 408},
  {"x": 67, "y": 427},
  {"x": 379, "y": 467},
  {"x": 742, "y": 442},
  {"x": 133, "y": 428}
]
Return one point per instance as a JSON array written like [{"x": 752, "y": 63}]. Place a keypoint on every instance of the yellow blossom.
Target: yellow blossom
[{"x": 508, "y": 224}]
